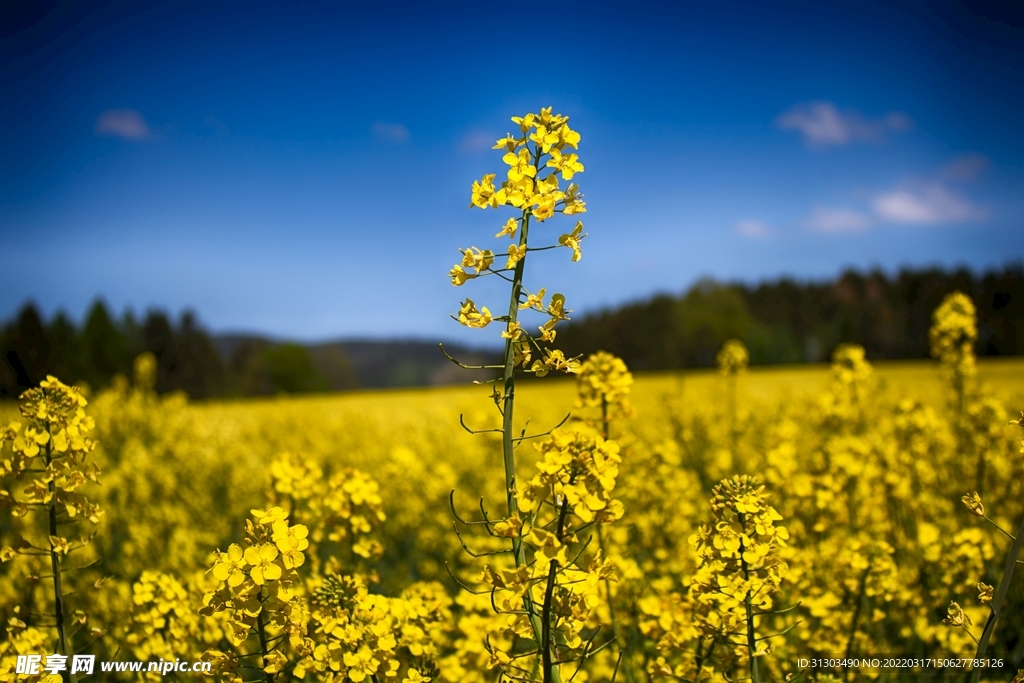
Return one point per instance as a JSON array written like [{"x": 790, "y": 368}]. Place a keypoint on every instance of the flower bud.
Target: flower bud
[
  {"x": 974, "y": 504},
  {"x": 957, "y": 616}
]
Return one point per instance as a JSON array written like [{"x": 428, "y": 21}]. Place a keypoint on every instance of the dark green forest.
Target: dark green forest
[
  {"x": 782, "y": 321},
  {"x": 786, "y": 321},
  {"x": 189, "y": 359}
]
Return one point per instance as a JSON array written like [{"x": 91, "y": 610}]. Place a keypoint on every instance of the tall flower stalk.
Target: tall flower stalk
[
  {"x": 739, "y": 567},
  {"x": 994, "y": 598},
  {"x": 538, "y": 159},
  {"x": 51, "y": 449},
  {"x": 952, "y": 336},
  {"x": 732, "y": 361}
]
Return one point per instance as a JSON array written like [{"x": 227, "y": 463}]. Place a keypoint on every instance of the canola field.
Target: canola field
[
  {"x": 865, "y": 468},
  {"x": 816, "y": 523}
]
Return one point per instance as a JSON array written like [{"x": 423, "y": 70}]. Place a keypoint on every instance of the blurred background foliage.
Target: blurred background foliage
[
  {"x": 781, "y": 321},
  {"x": 786, "y": 321}
]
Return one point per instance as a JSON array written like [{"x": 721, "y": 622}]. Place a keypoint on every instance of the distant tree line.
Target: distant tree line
[
  {"x": 188, "y": 359},
  {"x": 782, "y": 321},
  {"x": 786, "y": 321}
]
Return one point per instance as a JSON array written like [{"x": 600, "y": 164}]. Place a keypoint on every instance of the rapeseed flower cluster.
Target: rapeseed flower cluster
[
  {"x": 343, "y": 510},
  {"x": 538, "y": 161},
  {"x": 361, "y": 636},
  {"x": 953, "y": 334},
  {"x": 260, "y": 591},
  {"x": 604, "y": 383},
  {"x": 47, "y": 457},
  {"x": 733, "y": 358}
]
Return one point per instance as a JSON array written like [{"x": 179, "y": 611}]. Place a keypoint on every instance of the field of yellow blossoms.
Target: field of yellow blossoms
[
  {"x": 866, "y": 470},
  {"x": 719, "y": 525}
]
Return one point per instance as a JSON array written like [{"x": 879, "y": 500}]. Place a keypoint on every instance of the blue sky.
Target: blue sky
[{"x": 303, "y": 169}]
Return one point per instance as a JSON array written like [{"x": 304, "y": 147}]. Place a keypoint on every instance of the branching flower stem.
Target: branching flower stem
[
  {"x": 751, "y": 638},
  {"x": 264, "y": 650},
  {"x": 1000, "y": 596},
  {"x": 508, "y": 452},
  {"x": 607, "y": 582},
  {"x": 550, "y": 671},
  {"x": 63, "y": 639},
  {"x": 856, "y": 614}
]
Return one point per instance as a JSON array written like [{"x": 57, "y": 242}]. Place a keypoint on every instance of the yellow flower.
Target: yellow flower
[
  {"x": 555, "y": 360},
  {"x": 974, "y": 504},
  {"x": 572, "y": 240},
  {"x": 510, "y": 228},
  {"x": 459, "y": 276},
  {"x": 547, "y": 331},
  {"x": 545, "y": 207},
  {"x": 229, "y": 566},
  {"x": 525, "y": 122},
  {"x": 261, "y": 559},
  {"x": 515, "y": 255},
  {"x": 485, "y": 195},
  {"x": 520, "y": 164},
  {"x": 291, "y": 541},
  {"x": 984, "y": 593},
  {"x": 520, "y": 193},
  {"x": 556, "y": 309},
  {"x": 508, "y": 142},
  {"x": 569, "y": 136},
  {"x": 59, "y": 545},
  {"x": 521, "y": 354},
  {"x": 270, "y": 516},
  {"x": 544, "y": 138},
  {"x": 274, "y": 662},
  {"x": 534, "y": 301},
  {"x": 508, "y": 528},
  {"x": 548, "y": 547},
  {"x": 957, "y": 617},
  {"x": 733, "y": 358},
  {"x": 514, "y": 332},
  {"x": 573, "y": 201},
  {"x": 477, "y": 259},
  {"x": 568, "y": 164},
  {"x": 471, "y": 317}
]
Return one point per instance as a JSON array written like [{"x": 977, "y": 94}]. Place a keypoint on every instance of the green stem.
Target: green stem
[
  {"x": 751, "y": 639},
  {"x": 856, "y": 615},
  {"x": 732, "y": 417},
  {"x": 507, "y": 426},
  {"x": 261, "y": 631},
  {"x": 1000, "y": 596},
  {"x": 607, "y": 582},
  {"x": 549, "y": 666},
  {"x": 509, "y": 380},
  {"x": 63, "y": 639},
  {"x": 706, "y": 656}
]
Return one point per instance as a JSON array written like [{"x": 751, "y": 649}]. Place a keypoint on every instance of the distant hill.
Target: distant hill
[
  {"x": 780, "y": 321},
  {"x": 374, "y": 363},
  {"x": 202, "y": 365}
]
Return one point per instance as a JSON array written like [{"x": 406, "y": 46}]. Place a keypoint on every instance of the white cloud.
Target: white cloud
[
  {"x": 391, "y": 132},
  {"x": 470, "y": 143},
  {"x": 752, "y": 228},
  {"x": 965, "y": 167},
  {"x": 823, "y": 124},
  {"x": 123, "y": 123},
  {"x": 925, "y": 203},
  {"x": 837, "y": 220}
]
